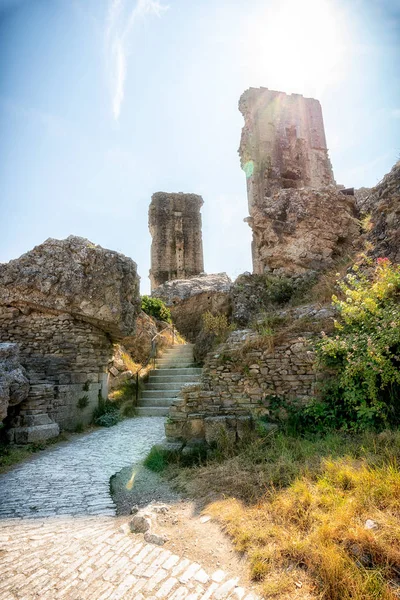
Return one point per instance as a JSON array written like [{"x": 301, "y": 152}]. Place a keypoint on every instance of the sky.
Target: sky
[{"x": 104, "y": 102}]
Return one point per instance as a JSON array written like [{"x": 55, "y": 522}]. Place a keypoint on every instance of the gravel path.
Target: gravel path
[{"x": 73, "y": 478}]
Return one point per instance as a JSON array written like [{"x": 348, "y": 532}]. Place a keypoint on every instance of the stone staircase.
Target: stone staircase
[{"x": 173, "y": 370}]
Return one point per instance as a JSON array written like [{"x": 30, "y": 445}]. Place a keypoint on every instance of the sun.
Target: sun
[{"x": 296, "y": 46}]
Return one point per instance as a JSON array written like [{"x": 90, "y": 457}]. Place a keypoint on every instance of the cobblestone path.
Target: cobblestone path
[
  {"x": 61, "y": 541},
  {"x": 73, "y": 478}
]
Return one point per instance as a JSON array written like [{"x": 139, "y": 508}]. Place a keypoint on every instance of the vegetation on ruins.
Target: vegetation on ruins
[
  {"x": 107, "y": 413},
  {"x": 154, "y": 307},
  {"x": 83, "y": 402},
  {"x": 364, "y": 352},
  {"x": 217, "y": 325}
]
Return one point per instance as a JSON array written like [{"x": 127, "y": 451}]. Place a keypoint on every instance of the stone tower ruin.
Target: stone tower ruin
[
  {"x": 291, "y": 190},
  {"x": 177, "y": 247},
  {"x": 283, "y": 143}
]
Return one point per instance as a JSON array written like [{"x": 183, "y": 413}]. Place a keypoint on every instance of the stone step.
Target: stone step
[
  {"x": 175, "y": 361},
  {"x": 179, "y": 350},
  {"x": 178, "y": 379},
  {"x": 160, "y": 393},
  {"x": 177, "y": 371},
  {"x": 170, "y": 385},
  {"x": 157, "y": 402},
  {"x": 152, "y": 411}
]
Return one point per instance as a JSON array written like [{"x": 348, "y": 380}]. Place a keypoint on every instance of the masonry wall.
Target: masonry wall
[
  {"x": 65, "y": 361},
  {"x": 235, "y": 388},
  {"x": 175, "y": 226}
]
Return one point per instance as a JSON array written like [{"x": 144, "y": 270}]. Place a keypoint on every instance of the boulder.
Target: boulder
[
  {"x": 189, "y": 299},
  {"x": 384, "y": 206},
  {"x": 76, "y": 277},
  {"x": 140, "y": 524},
  {"x": 14, "y": 385}
]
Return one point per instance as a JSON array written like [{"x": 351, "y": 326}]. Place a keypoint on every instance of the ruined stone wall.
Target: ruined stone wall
[
  {"x": 233, "y": 389},
  {"x": 64, "y": 303},
  {"x": 14, "y": 385},
  {"x": 65, "y": 360},
  {"x": 296, "y": 231},
  {"x": 175, "y": 226},
  {"x": 299, "y": 219},
  {"x": 283, "y": 143}
]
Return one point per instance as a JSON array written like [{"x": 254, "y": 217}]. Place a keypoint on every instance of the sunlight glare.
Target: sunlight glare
[{"x": 296, "y": 46}]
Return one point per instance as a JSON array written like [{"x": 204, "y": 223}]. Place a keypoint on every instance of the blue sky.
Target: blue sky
[{"x": 104, "y": 102}]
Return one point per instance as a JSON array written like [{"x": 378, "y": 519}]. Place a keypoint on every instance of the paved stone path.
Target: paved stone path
[
  {"x": 73, "y": 478},
  {"x": 61, "y": 542}
]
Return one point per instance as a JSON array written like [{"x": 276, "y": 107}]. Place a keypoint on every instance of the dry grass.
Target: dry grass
[
  {"x": 298, "y": 509},
  {"x": 326, "y": 285},
  {"x": 277, "y": 334}
]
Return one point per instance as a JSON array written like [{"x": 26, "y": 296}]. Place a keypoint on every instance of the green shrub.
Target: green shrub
[
  {"x": 364, "y": 352},
  {"x": 106, "y": 413},
  {"x": 160, "y": 458},
  {"x": 154, "y": 307},
  {"x": 109, "y": 419}
]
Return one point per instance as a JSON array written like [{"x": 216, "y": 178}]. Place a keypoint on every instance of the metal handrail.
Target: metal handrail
[
  {"x": 152, "y": 355},
  {"x": 162, "y": 331}
]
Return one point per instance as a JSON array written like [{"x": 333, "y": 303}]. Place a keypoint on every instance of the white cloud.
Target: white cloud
[{"x": 121, "y": 19}]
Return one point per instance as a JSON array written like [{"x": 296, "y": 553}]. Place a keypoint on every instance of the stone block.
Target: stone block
[
  {"x": 36, "y": 433},
  {"x": 194, "y": 428}
]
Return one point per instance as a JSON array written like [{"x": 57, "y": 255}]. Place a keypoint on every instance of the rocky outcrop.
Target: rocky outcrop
[
  {"x": 254, "y": 295},
  {"x": 14, "y": 385},
  {"x": 64, "y": 303},
  {"x": 189, "y": 299},
  {"x": 76, "y": 277},
  {"x": 384, "y": 205},
  {"x": 295, "y": 231}
]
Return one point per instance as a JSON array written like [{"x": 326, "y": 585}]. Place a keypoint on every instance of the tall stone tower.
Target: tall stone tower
[
  {"x": 283, "y": 143},
  {"x": 282, "y": 151},
  {"x": 177, "y": 247}
]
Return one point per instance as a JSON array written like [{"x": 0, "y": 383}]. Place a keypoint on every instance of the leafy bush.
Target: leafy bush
[
  {"x": 106, "y": 414},
  {"x": 109, "y": 419},
  {"x": 364, "y": 351},
  {"x": 154, "y": 307}
]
